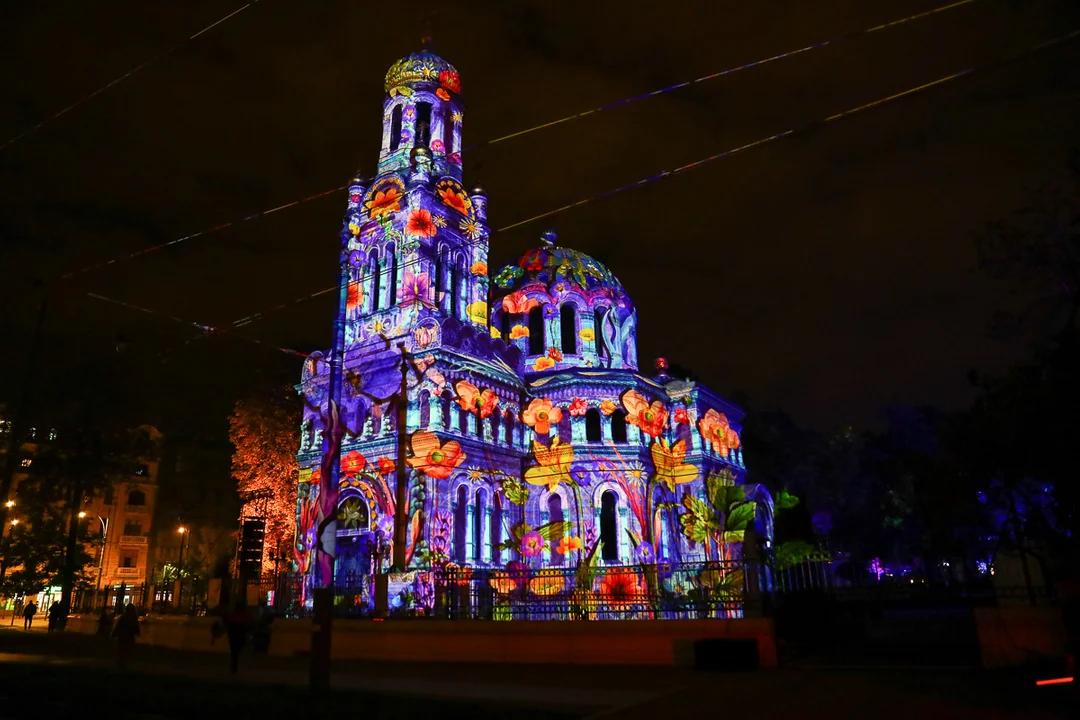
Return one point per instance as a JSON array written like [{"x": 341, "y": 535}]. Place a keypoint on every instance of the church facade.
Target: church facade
[{"x": 494, "y": 420}]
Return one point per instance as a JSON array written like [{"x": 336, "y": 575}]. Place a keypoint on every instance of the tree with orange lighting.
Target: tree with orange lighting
[{"x": 264, "y": 431}]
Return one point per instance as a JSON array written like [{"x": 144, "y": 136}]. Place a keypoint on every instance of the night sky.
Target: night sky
[{"x": 831, "y": 274}]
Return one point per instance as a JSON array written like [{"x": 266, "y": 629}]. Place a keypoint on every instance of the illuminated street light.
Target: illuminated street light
[
  {"x": 11, "y": 503},
  {"x": 181, "y": 529},
  {"x": 15, "y": 521},
  {"x": 82, "y": 515}
]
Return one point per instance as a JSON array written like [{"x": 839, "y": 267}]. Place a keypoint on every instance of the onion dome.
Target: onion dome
[
  {"x": 564, "y": 309},
  {"x": 551, "y": 264},
  {"x": 423, "y": 67}
]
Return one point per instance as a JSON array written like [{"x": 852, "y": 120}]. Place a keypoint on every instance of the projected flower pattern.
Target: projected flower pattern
[{"x": 509, "y": 403}]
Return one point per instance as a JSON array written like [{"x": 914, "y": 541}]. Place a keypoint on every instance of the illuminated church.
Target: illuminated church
[{"x": 529, "y": 436}]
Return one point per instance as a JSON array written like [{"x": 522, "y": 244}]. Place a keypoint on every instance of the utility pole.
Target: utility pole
[
  {"x": 333, "y": 433},
  {"x": 20, "y": 411}
]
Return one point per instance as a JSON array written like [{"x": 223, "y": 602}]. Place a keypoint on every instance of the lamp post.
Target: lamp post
[
  {"x": 180, "y": 565},
  {"x": 101, "y": 552}
]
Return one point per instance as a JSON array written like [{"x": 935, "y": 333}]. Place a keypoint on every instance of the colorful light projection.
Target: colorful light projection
[{"x": 530, "y": 454}]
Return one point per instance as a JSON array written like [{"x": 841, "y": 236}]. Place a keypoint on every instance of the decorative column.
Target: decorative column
[
  {"x": 624, "y": 540},
  {"x": 435, "y": 405},
  {"x": 577, "y": 429},
  {"x": 485, "y": 532},
  {"x": 470, "y": 524}
]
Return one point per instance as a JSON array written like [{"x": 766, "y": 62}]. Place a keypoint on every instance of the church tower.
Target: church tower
[{"x": 414, "y": 236}]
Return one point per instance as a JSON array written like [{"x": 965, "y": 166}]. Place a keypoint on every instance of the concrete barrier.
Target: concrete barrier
[
  {"x": 633, "y": 642},
  {"x": 1014, "y": 635}
]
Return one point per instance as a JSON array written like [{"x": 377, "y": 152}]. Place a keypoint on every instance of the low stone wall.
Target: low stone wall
[
  {"x": 1013, "y": 635},
  {"x": 633, "y": 642}
]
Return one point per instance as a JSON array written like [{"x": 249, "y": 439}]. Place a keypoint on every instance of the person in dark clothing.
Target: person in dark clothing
[
  {"x": 237, "y": 626},
  {"x": 53, "y": 614},
  {"x": 104, "y": 623},
  {"x": 28, "y": 615},
  {"x": 125, "y": 632}
]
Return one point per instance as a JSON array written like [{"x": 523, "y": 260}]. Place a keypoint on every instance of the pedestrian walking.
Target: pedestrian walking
[
  {"x": 28, "y": 614},
  {"x": 237, "y": 627},
  {"x": 125, "y": 632},
  {"x": 104, "y": 623},
  {"x": 53, "y": 616}
]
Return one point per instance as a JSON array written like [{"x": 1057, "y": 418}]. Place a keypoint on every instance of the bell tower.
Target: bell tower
[{"x": 414, "y": 240}]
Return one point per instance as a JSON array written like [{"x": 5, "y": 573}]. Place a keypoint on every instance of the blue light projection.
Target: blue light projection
[{"x": 530, "y": 450}]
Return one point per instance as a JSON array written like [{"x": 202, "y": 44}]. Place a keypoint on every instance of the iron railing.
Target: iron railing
[{"x": 661, "y": 591}]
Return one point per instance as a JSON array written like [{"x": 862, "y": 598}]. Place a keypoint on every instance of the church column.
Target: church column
[
  {"x": 470, "y": 524},
  {"x": 485, "y": 533},
  {"x": 586, "y": 319},
  {"x": 435, "y": 403},
  {"x": 545, "y": 518},
  {"x": 624, "y": 539},
  {"x": 385, "y": 264},
  {"x": 577, "y": 429}
]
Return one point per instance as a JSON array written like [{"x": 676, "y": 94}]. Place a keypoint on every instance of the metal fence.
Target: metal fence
[{"x": 660, "y": 591}]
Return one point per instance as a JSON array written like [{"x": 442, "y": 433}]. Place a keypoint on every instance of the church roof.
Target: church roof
[
  {"x": 551, "y": 263},
  {"x": 423, "y": 66}
]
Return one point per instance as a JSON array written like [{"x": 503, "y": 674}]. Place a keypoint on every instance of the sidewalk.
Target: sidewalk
[{"x": 566, "y": 690}]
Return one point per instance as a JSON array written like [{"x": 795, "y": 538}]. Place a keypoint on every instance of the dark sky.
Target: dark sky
[{"x": 831, "y": 274}]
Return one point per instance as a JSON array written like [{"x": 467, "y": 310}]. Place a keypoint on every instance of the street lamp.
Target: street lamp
[
  {"x": 10, "y": 504},
  {"x": 82, "y": 515},
  {"x": 180, "y": 564}
]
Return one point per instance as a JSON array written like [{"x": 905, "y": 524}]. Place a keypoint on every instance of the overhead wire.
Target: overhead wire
[
  {"x": 993, "y": 64},
  {"x": 541, "y": 126},
  {"x": 116, "y": 81},
  {"x": 205, "y": 330}
]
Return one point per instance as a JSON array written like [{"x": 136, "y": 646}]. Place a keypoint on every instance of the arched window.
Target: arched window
[
  {"x": 555, "y": 514},
  {"x": 445, "y": 400},
  {"x": 455, "y": 288},
  {"x": 463, "y": 422},
  {"x": 598, "y": 330},
  {"x": 479, "y": 426},
  {"x": 686, "y": 434},
  {"x": 496, "y": 529},
  {"x": 504, "y": 325},
  {"x": 478, "y": 525},
  {"x": 395, "y": 129},
  {"x": 618, "y": 426},
  {"x": 510, "y": 430},
  {"x": 423, "y": 124},
  {"x": 448, "y": 129},
  {"x": 439, "y": 284},
  {"x": 495, "y": 417},
  {"x": 376, "y": 283},
  {"x": 461, "y": 524},
  {"x": 136, "y": 498},
  {"x": 609, "y": 526},
  {"x": 391, "y": 281},
  {"x": 568, "y": 327},
  {"x": 593, "y": 432},
  {"x": 565, "y": 427},
  {"x": 536, "y": 331},
  {"x": 425, "y": 408}
]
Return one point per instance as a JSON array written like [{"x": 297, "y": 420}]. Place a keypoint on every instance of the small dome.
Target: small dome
[
  {"x": 551, "y": 263},
  {"x": 423, "y": 67}
]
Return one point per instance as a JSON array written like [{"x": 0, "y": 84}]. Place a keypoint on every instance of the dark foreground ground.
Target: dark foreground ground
[{"x": 67, "y": 675}]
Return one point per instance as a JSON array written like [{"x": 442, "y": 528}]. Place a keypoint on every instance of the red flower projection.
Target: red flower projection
[
  {"x": 450, "y": 80},
  {"x": 517, "y": 304},
  {"x": 353, "y": 463},
  {"x": 420, "y": 224}
]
